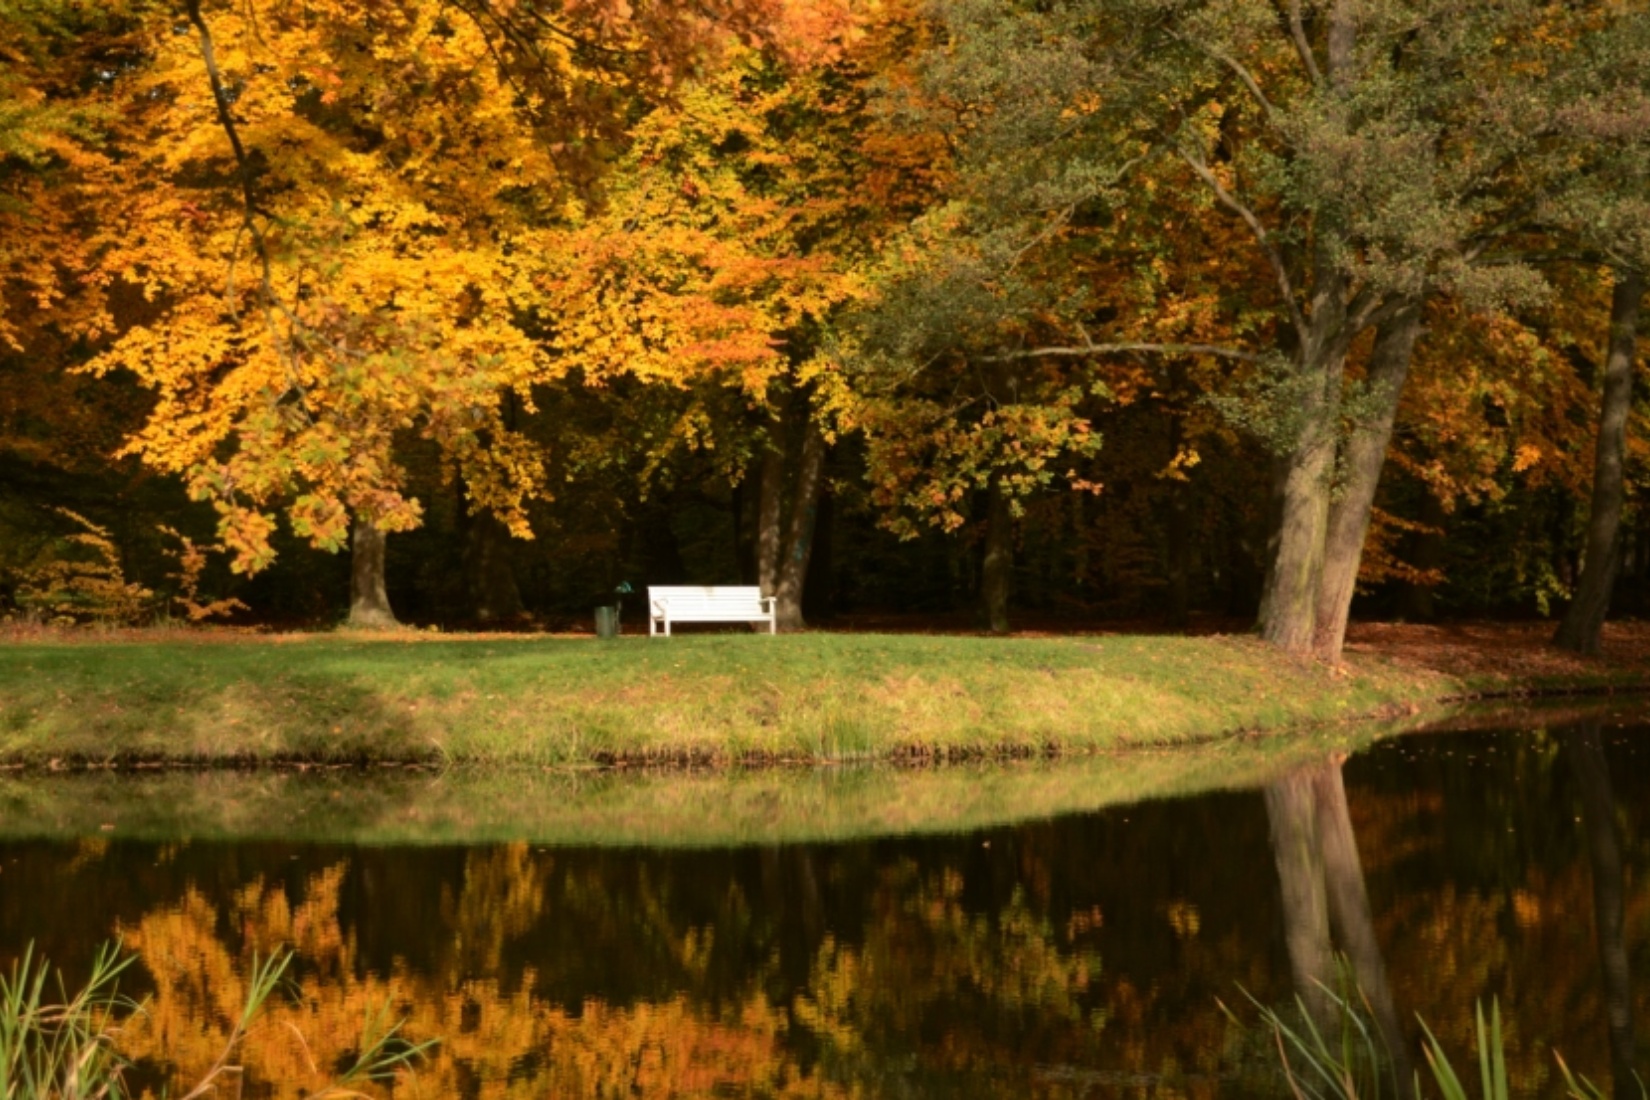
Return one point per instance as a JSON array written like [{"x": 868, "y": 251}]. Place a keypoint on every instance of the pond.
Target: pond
[{"x": 1059, "y": 930}]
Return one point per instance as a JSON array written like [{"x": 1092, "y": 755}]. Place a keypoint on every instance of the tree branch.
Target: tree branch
[
  {"x": 1244, "y": 75},
  {"x": 1087, "y": 349},
  {"x": 244, "y": 169},
  {"x": 1285, "y": 285},
  {"x": 1297, "y": 31}
]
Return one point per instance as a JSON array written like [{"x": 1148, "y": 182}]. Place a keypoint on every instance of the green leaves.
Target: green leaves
[{"x": 1492, "y": 1062}]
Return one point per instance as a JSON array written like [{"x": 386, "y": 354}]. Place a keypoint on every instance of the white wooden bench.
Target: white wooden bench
[{"x": 703, "y": 603}]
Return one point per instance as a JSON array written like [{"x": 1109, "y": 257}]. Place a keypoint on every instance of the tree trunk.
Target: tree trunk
[
  {"x": 997, "y": 570},
  {"x": 1350, "y": 915},
  {"x": 1303, "y": 519},
  {"x": 1585, "y": 749},
  {"x": 770, "y": 535},
  {"x": 1274, "y": 526},
  {"x": 1365, "y": 455},
  {"x": 1291, "y": 597},
  {"x": 793, "y": 569},
  {"x": 369, "y": 605},
  {"x": 1299, "y": 860},
  {"x": 1584, "y": 619}
]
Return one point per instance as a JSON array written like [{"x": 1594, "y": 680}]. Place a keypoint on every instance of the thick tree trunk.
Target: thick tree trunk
[
  {"x": 1350, "y": 915},
  {"x": 1365, "y": 455},
  {"x": 1584, "y": 619},
  {"x": 1299, "y": 859},
  {"x": 997, "y": 570},
  {"x": 369, "y": 604},
  {"x": 799, "y": 538},
  {"x": 1291, "y": 599},
  {"x": 770, "y": 534},
  {"x": 1585, "y": 749},
  {"x": 1274, "y": 525}
]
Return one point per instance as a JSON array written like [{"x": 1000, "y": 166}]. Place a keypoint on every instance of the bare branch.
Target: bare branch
[
  {"x": 1546, "y": 256},
  {"x": 1245, "y": 76},
  {"x": 1285, "y": 285},
  {"x": 1297, "y": 31},
  {"x": 247, "y": 175},
  {"x": 1372, "y": 308},
  {"x": 1087, "y": 349}
]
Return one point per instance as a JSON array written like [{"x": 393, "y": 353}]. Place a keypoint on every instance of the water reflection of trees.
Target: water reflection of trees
[
  {"x": 1321, "y": 883},
  {"x": 1075, "y": 957},
  {"x": 1584, "y": 746},
  {"x": 948, "y": 976},
  {"x": 1517, "y": 936}
]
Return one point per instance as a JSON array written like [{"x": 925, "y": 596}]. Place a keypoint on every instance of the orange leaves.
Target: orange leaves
[
  {"x": 1493, "y": 401},
  {"x": 728, "y": 245}
]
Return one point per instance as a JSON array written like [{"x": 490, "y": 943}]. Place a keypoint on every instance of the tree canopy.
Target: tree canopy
[{"x": 1262, "y": 311}]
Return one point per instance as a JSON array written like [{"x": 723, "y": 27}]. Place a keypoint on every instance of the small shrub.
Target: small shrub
[
  {"x": 81, "y": 580},
  {"x": 191, "y": 563}
]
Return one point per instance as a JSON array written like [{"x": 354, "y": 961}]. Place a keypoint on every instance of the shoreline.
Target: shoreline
[
  {"x": 714, "y": 702},
  {"x": 673, "y": 807}
]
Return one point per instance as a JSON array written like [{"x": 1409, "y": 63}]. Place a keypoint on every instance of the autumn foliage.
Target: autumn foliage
[{"x": 1102, "y": 311}]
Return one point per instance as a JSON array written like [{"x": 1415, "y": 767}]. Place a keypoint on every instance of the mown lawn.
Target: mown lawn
[{"x": 714, "y": 699}]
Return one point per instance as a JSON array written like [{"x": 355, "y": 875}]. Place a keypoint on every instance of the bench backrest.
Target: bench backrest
[{"x": 688, "y": 600}]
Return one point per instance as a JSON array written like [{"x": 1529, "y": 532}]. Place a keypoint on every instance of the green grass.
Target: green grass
[{"x": 710, "y": 699}]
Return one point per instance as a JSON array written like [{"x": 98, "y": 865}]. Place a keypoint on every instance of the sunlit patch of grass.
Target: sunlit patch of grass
[{"x": 720, "y": 699}]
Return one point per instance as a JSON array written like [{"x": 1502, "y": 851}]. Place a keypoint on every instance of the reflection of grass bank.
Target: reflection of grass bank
[
  {"x": 671, "y": 807},
  {"x": 709, "y": 699}
]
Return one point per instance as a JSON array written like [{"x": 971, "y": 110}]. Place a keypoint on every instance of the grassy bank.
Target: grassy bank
[{"x": 718, "y": 699}]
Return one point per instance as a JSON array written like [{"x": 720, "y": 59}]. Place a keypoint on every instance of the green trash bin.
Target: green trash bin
[{"x": 607, "y": 622}]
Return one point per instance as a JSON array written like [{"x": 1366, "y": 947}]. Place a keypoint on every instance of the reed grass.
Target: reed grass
[
  {"x": 1349, "y": 1060},
  {"x": 65, "y": 1045}
]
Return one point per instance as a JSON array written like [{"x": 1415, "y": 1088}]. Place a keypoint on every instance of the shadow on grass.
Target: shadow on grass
[{"x": 121, "y": 711}]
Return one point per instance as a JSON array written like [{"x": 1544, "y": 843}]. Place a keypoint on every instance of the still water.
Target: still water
[{"x": 1085, "y": 954}]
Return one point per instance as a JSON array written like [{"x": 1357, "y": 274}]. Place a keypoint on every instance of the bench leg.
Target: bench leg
[{"x": 773, "y": 623}]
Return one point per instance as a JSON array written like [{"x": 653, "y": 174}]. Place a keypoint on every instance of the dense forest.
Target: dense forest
[{"x": 465, "y": 312}]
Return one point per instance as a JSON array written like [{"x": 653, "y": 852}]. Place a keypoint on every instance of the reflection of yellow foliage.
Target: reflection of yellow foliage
[
  {"x": 929, "y": 981},
  {"x": 502, "y": 897},
  {"x": 1184, "y": 919},
  {"x": 512, "y": 1044}
]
